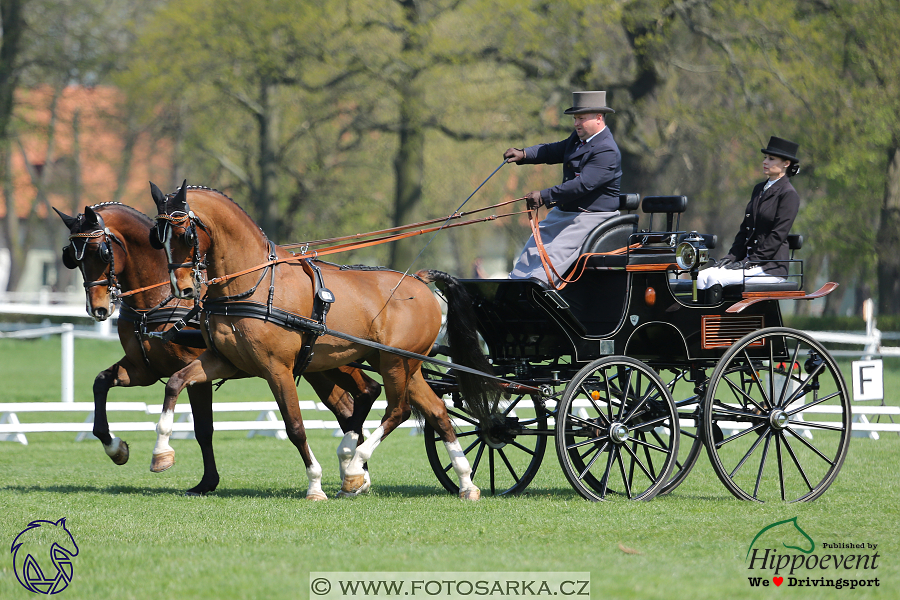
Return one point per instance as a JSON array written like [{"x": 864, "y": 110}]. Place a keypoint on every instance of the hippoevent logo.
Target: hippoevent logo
[
  {"x": 784, "y": 554},
  {"x": 42, "y": 556}
]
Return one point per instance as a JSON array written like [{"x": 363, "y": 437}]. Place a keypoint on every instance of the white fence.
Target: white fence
[{"x": 267, "y": 421}]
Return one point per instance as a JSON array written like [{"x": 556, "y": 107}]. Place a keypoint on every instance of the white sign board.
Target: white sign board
[{"x": 868, "y": 380}]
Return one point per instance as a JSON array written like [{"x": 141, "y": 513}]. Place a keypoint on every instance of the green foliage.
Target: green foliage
[{"x": 325, "y": 119}]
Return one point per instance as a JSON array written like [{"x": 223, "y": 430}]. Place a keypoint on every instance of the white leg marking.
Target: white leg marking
[
  {"x": 114, "y": 446},
  {"x": 314, "y": 473},
  {"x": 345, "y": 451},
  {"x": 460, "y": 465},
  {"x": 364, "y": 452},
  {"x": 164, "y": 432}
]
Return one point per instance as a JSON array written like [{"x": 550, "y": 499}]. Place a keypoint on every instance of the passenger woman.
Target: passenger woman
[{"x": 761, "y": 245}]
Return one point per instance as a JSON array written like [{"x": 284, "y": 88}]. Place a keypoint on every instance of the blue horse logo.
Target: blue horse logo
[
  {"x": 30, "y": 552},
  {"x": 789, "y": 532}
]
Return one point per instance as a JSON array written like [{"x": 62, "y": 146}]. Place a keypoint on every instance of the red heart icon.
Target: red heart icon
[{"x": 778, "y": 580}]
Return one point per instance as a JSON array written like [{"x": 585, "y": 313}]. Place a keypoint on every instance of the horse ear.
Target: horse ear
[
  {"x": 91, "y": 217},
  {"x": 69, "y": 221},
  {"x": 158, "y": 197},
  {"x": 180, "y": 200}
]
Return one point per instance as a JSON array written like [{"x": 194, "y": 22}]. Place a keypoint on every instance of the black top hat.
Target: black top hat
[
  {"x": 589, "y": 102},
  {"x": 783, "y": 149}
]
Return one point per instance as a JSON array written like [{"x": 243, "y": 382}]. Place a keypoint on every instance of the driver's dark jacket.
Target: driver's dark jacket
[
  {"x": 592, "y": 172},
  {"x": 767, "y": 222}
]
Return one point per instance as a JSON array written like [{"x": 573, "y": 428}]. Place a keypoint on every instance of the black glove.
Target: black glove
[
  {"x": 514, "y": 155},
  {"x": 738, "y": 264},
  {"x": 533, "y": 200},
  {"x": 724, "y": 263}
]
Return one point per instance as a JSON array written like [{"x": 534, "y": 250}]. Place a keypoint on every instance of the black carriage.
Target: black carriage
[{"x": 633, "y": 372}]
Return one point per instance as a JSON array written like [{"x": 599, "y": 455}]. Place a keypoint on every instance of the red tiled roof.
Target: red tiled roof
[{"x": 101, "y": 142}]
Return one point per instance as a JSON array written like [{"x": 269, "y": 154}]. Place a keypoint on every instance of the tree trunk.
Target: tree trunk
[
  {"x": 266, "y": 206},
  {"x": 887, "y": 245},
  {"x": 409, "y": 166},
  {"x": 12, "y": 22},
  {"x": 13, "y": 26}
]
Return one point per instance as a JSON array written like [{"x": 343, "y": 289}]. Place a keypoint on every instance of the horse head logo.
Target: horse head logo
[
  {"x": 42, "y": 547},
  {"x": 787, "y": 531}
]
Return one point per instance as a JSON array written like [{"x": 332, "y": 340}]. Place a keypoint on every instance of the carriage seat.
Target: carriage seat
[
  {"x": 613, "y": 233},
  {"x": 735, "y": 292},
  {"x": 668, "y": 205}
]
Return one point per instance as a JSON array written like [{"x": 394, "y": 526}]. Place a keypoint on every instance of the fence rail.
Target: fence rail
[{"x": 268, "y": 422}]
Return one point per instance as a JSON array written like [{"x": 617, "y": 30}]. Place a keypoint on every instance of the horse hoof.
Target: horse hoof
[
  {"x": 162, "y": 461},
  {"x": 366, "y": 486},
  {"x": 317, "y": 496},
  {"x": 117, "y": 451},
  {"x": 353, "y": 485},
  {"x": 473, "y": 494}
]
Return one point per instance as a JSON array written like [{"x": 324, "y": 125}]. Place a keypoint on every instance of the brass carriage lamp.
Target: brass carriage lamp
[{"x": 690, "y": 254}]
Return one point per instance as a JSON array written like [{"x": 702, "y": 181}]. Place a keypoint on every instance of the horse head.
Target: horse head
[
  {"x": 92, "y": 250},
  {"x": 178, "y": 231}
]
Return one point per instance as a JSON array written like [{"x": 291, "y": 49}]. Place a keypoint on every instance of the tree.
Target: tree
[
  {"x": 250, "y": 87},
  {"x": 12, "y": 28},
  {"x": 51, "y": 44}
]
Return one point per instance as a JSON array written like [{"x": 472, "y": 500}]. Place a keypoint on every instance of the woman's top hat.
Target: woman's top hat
[{"x": 783, "y": 149}]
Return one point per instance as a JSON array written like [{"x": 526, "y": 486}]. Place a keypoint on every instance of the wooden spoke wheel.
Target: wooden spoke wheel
[
  {"x": 777, "y": 417},
  {"x": 617, "y": 430},
  {"x": 505, "y": 455}
]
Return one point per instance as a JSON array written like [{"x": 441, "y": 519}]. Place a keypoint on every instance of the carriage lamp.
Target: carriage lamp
[{"x": 690, "y": 254}]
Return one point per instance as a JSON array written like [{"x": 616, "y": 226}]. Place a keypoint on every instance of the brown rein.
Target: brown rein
[
  {"x": 580, "y": 264},
  {"x": 394, "y": 236}
]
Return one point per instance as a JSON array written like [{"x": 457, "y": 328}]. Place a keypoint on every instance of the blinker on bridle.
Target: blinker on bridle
[
  {"x": 189, "y": 222},
  {"x": 105, "y": 251}
]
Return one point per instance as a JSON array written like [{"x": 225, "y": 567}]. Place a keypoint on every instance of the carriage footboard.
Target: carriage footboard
[{"x": 751, "y": 298}]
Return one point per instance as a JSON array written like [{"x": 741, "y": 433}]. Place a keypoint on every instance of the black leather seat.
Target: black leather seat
[{"x": 735, "y": 292}]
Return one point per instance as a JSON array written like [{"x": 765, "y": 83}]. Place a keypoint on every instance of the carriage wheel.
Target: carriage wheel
[
  {"x": 690, "y": 444},
  {"x": 617, "y": 430},
  {"x": 504, "y": 457},
  {"x": 762, "y": 446}
]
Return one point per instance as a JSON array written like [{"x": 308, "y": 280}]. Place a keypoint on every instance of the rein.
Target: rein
[
  {"x": 580, "y": 264},
  {"x": 305, "y": 253},
  {"x": 455, "y": 215}
]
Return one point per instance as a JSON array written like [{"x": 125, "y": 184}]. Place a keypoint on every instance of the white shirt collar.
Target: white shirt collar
[{"x": 770, "y": 182}]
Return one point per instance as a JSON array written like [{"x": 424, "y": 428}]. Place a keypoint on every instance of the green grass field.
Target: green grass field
[{"x": 256, "y": 537}]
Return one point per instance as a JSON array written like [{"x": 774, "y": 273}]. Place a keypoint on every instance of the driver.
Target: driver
[{"x": 588, "y": 194}]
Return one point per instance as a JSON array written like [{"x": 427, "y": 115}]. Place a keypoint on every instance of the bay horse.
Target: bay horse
[
  {"x": 110, "y": 245},
  {"x": 265, "y": 313}
]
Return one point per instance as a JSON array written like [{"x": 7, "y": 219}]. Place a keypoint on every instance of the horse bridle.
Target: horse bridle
[
  {"x": 189, "y": 222},
  {"x": 106, "y": 255}
]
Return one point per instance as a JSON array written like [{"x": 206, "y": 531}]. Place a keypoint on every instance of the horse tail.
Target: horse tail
[{"x": 481, "y": 395}]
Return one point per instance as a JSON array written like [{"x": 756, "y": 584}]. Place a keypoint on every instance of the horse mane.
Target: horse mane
[
  {"x": 148, "y": 221},
  {"x": 204, "y": 188}
]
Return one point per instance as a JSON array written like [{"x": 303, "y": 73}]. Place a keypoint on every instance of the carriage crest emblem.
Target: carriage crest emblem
[
  {"x": 42, "y": 556},
  {"x": 634, "y": 319}
]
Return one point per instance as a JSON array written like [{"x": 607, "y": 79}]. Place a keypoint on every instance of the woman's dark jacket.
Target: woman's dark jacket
[{"x": 764, "y": 230}]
